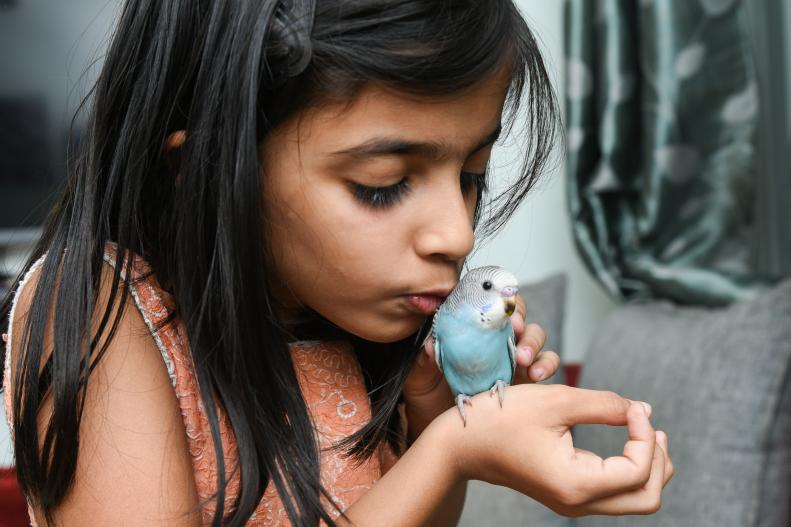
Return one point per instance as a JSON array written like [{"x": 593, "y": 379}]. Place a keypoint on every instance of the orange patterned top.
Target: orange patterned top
[{"x": 329, "y": 376}]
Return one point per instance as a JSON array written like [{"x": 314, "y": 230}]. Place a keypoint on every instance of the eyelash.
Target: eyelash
[{"x": 383, "y": 197}]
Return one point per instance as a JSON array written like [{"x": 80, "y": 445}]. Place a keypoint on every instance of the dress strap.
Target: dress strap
[
  {"x": 153, "y": 303},
  {"x": 7, "y": 338}
]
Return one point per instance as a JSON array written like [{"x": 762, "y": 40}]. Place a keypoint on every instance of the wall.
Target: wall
[
  {"x": 536, "y": 243},
  {"x": 56, "y": 41}
]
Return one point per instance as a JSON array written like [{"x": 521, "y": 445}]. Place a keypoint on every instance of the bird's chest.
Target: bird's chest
[
  {"x": 470, "y": 348},
  {"x": 478, "y": 352}
]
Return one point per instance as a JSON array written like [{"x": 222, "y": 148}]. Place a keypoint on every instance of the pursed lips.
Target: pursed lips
[{"x": 424, "y": 303}]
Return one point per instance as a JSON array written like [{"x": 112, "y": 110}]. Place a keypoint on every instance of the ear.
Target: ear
[{"x": 172, "y": 151}]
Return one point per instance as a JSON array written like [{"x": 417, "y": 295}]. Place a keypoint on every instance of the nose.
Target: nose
[{"x": 446, "y": 227}]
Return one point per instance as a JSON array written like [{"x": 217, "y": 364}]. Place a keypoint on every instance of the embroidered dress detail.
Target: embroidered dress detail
[{"x": 331, "y": 382}]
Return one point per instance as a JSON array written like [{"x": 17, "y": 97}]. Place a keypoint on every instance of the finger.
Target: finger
[
  {"x": 521, "y": 307},
  {"x": 518, "y": 324},
  {"x": 518, "y": 316},
  {"x": 618, "y": 474},
  {"x": 424, "y": 375},
  {"x": 633, "y": 468},
  {"x": 428, "y": 347},
  {"x": 545, "y": 366},
  {"x": 644, "y": 500},
  {"x": 583, "y": 406},
  {"x": 530, "y": 344},
  {"x": 670, "y": 469}
]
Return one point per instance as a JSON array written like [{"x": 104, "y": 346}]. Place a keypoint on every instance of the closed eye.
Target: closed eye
[
  {"x": 470, "y": 179},
  {"x": 383, "y": 197}
]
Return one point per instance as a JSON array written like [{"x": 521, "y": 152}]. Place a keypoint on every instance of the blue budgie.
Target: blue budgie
[{"x": 473, "y": 338}]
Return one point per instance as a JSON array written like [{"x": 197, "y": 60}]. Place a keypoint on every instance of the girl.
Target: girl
[{"x": 222, "y": 321}]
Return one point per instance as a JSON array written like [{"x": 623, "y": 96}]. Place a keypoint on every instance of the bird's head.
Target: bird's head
[{"x": 491, "y": 290}]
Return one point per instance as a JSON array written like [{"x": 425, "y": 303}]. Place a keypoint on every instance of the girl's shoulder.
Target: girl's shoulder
[{"x": 133, "y": 457}]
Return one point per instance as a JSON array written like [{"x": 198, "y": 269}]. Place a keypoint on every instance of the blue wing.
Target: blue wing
[
  {"x": 437, "y": 344},
  {"x": 512, "y": 352}
]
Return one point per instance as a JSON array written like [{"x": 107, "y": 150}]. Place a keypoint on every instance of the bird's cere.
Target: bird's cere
[{"x": 509, "y": 291}]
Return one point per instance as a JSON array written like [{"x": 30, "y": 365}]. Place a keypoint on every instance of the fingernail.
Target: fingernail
[
  {"x": 539, "y": 374},
  {"x": 646, "y": 408}
]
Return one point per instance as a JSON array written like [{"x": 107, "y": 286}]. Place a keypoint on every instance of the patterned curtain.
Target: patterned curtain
[{"x": 661, "y": 109}]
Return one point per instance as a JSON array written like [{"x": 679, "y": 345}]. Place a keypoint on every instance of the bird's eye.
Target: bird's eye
[{"x": 487, "y": 285}]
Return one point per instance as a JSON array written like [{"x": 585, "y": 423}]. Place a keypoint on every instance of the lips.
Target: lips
[{"x": 424, "y": 304}]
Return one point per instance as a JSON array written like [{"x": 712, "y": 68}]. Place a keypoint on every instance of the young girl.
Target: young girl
[{"x": 222, "y": 322}]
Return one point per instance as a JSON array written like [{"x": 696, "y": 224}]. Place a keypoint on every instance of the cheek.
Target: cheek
[
  {"x": 331, "y": 253},
  {"x": 343, "y": 266}
]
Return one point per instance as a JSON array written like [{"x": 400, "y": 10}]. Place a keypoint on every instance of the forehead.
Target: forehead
[{"x": 453, "y": 125}]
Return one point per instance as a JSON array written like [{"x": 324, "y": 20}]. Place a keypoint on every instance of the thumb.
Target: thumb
[{"x": 424, "y": 374}]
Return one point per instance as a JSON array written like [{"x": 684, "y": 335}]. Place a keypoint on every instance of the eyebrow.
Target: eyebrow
[{"x": 384, "y": 146}]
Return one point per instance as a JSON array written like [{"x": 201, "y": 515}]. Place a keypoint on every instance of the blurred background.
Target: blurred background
[{"x": 656, "y": 251}]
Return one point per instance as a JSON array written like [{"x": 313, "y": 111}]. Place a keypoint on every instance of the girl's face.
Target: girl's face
[{"x": 372, "y": 203}]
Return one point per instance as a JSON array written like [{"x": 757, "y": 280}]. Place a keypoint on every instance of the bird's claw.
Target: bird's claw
[
  {"x": 498, "y": 387},
  {"x": 461, "y": 400}
]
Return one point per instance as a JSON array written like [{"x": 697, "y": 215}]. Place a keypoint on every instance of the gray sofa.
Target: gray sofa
[{"x": 720, "y": 384}]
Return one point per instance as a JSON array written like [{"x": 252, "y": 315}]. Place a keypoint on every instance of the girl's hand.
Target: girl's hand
[
  {"x": 427, "y": 393},
  {"x": 527, "y": 445},
  {"x": 532, "y": 364}
]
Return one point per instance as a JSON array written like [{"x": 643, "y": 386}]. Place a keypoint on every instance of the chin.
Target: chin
[{"x": 391, "y": 330}]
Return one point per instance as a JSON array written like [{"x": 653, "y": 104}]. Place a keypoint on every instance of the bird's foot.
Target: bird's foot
[
  {"x": 461, "y": 400},
  {"x": 499, "y": 388}
]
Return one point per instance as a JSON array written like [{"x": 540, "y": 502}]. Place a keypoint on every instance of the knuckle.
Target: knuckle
[
  {"x": 614, "y": 402},
  {"x": 640, "y": 477},
  {"x": 536, "y": 332},
  {"x": 571, "y": 497},
  {"x": 552, "y": 357},
  {"x": 670, "y": 472},
  {"x": 653, "y": 503},
  {"x": 644, "y": 475}
]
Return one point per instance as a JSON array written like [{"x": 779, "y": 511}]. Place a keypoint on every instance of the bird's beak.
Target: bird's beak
[
  {"x": 509, "y": 299},
  {"x": 510, "y": 304}
]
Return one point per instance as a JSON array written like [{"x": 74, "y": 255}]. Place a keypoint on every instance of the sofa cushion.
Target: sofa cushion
[
  {"x": 546, "y": 303},
  {"x": 719, "y": 383}
]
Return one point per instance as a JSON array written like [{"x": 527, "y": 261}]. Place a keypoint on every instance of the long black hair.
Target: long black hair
[{"x": 228, "y": 73}]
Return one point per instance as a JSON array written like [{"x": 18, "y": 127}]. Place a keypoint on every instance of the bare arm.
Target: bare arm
[
  {"x": 419, "y": 416},
  {"x": 133, "y": 465},
  {"x": 410, "y": 493}
]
